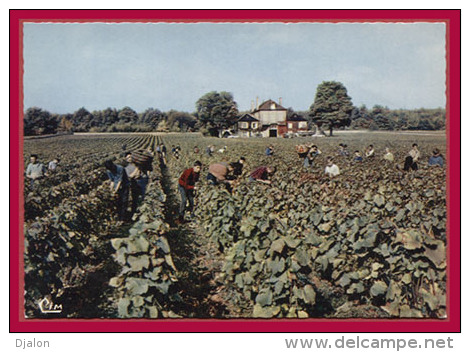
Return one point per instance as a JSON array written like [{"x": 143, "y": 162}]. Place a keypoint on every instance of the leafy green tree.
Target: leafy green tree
[
  {"x": 216, "y": 111},
  {"x": 332, "y": 106},
  {"x": 38, "y": 121},
  {"x": 65, "y": 124},
  {"x": 110, "y": 116},
  {"x": 82, "y": 119},
  {"x": 127, "y": 115},
  {"x": 181, "y": 121},
  {"x": 382, "y": 118},
  {"x": 151, "y": 117}
]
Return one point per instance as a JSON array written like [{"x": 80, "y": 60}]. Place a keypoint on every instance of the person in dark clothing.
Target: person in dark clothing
[
  {"x": 186, "y": 187},
  {"x": 238, "y": 167},
  {"x": 119, "y": 187},
  {"x": 410, "y": 164}
]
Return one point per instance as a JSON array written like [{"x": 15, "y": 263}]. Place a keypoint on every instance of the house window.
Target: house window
[
  {"x": 303, "y": 124},
  {"x": 244, "y": 125},
  {"x": 273, "y": 106},
  {"x": 290, "y": 125},
  {"x": 254, "y": 125}
]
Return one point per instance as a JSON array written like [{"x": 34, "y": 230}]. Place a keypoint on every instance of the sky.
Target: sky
[{"x": 170, "y": 66}]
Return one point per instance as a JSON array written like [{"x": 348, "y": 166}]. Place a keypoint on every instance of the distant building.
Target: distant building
[
  {"x": 248, "y": 126},
  {"x": 270, "y": 120},
  {"x": 296, "y": 124}
]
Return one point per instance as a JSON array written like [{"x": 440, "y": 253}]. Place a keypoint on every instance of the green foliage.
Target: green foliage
[
  {"x": 127, "y": 115},
  {"x": 383, "y": 118},
  {"x": 151, "y": 117},
  {"x": 216, "y": 111},
  {"x": 38, "y": 121},
  {"x": 372, "y": 237},
  {"x": 82, "y": 120},
  {"x": 180, "y": 121},
  {"x": 332, "y": 106}
]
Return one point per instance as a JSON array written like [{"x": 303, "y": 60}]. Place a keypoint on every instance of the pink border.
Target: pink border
[{"x": 17, "y": 321}]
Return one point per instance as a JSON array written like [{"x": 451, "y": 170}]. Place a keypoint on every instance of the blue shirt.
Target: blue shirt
[
  {"x": 120, "y": 175},
  {"x": 436, "y": 160}
]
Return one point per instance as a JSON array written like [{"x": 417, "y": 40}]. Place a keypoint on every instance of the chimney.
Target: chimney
[
  {"x": 257, "y": 103},
  {"x": 252, "y": 105},
  {"x": 280, "y": 101}
]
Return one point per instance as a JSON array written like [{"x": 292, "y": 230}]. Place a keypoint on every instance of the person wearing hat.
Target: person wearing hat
[{"x": 436, "y": 158}]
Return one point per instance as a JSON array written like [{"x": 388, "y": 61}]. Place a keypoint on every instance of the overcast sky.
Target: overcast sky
[{"x": 170, "y": 66}]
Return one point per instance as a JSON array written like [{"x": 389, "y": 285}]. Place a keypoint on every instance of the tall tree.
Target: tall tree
[
  {"x": 151, "y": 117},
  {"x": 38, "y": 121},
  {"x": 127, "y": 115},
  {"x": 332, "y": 106},
  {"x": 180, "y": 121},
  {"x": 217, "y": 111},
  {"x": 65, "y": 124},
  {"x": 382, "y": 118},
  {"x": 82, "y": 119}
]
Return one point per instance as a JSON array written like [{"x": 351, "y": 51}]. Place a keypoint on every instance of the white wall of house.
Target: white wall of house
[{"x": 267, "y": 117}]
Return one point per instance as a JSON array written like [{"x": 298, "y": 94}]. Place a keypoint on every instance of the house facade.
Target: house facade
[
  {"x": 296, "y": 124},
  {"x": 270, "y": 120},
  {"x": 248, "y": 126}
]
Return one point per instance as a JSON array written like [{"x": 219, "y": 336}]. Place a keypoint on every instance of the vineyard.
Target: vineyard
[{"x": 369, "y": 243}]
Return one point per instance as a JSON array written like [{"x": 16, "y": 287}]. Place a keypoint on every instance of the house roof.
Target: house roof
[
  {"x": 247, "y": 118},
  {"x": 296, "y": 117},
  {"x": 267, "y": 106}
]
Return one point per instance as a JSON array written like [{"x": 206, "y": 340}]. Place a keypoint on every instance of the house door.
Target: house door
[{"x": 272, "y": 133}]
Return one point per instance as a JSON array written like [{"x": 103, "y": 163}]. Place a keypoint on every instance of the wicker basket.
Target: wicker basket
[{"x": 142, "y": 159}]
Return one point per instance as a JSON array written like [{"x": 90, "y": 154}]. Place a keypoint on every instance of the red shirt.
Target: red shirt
[
  {"x": 188, "y": 178},
  {"x": 260, "y": 173}
]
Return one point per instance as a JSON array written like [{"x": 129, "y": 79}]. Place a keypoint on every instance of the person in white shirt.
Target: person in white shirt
[
  {"x": 411, "y": 161},
  {"x": 35, "y": 170},
  {"x": 331, "y": 169},
  {"x": 370, "y": 151},
  {"x": 414, "y": 153},
  {"x": 53, "y": 164},
  {"x": 388, "y": 155}
]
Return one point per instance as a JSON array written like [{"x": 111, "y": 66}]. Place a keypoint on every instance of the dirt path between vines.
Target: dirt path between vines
[{"x": 197, "y": 261}]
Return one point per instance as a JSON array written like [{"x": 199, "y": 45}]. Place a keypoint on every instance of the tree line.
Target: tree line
[
  {"x": 38, "y": 121},
  {"x": 215, "y": 111}
]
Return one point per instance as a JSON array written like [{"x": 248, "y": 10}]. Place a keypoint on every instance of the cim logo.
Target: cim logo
[{"x": 47, "y": 307}]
